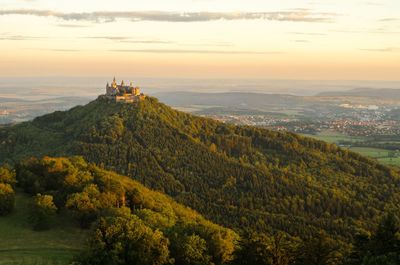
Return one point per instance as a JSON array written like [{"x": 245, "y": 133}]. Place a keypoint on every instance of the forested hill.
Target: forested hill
[{"x": 241, "y": 177}]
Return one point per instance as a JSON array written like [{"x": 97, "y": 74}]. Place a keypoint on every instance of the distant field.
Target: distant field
[
  {"x": 334, "y": 137},
  {"x": 19, "y": 244},
  {"x": 382, "y": 155},
  {"x": 372, "y": 152},
  {"x": 390, "y": 161}
]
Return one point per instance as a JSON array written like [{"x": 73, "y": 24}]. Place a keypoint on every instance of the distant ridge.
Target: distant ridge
[
  {"x": 384, "y": 93},
  {"x": 227, "y": 99}
]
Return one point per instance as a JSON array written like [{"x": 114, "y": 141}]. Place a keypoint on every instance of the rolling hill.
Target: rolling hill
[
  {"x": 66, "y": 179},
  {"x": 240, "y": 177}
]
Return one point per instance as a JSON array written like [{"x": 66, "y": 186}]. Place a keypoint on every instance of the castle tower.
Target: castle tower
[{"x": 114, "y": 83}]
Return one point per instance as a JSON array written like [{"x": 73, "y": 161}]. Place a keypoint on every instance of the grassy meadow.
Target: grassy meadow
[{"x": 20, "y": 244}]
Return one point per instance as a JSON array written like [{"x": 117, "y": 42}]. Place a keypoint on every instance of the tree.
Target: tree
[
  {"x": 7, "y": 175},
  {"x": 390, "y": 259},
  {"x": 190, "y": 250},
  {"x": 382, "y": 248},
  {"x": 387, "y": 236},
  {"x": 7, "y": 198},
  {"x": 253, "y": 250},
  {"x": 85, "y": 205},
  {"x": 43, "y": 209},
  {"x": 319, "y": 250},
  {"x": 360, "y": 248},
  {"x": 126, "y": 240},
  {"x": 281, "y": 250},
  {"x": 260, "y": 249}
]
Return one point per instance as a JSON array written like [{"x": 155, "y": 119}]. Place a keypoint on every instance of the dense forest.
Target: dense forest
[
  {"x": 130, "y": 224},
  {"x": 244, "y": 178}
]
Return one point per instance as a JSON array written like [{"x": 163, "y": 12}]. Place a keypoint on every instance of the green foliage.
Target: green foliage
[
  {"x": 319, "y": 250},
  {"x": 7, "y": 199},
  {"x": 263, "y": 250},
  {"x": 383, "y": 247},
  {"x": 190, "y": 250},
  {"x": 7, "y": 175},
  {"x": 126, "y": 240},
  {"x": 7, "y": 194},
  {"x": 42, "y": 212},
  {"x": 390, "y": 259},
  {"x": 85, "y": 205}
]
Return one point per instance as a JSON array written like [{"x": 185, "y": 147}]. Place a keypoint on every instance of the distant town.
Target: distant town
[{"x": 365, "y": 122}]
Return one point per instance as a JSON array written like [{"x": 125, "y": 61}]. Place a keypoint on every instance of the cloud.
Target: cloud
[
  {"x": 113, "y": 38},
  {"x": 64, "y": 50},
  {"x": 212, "y": 44},
  {"x": 131, "y": 40},
  {"x": 388, "y": 49},
  {"x": 374, "y": 4},
  {"x": 72, "y": 26},
  {"x": 57, "y": 50},
  {"x": 308, "y": 33},
  {"x": 376, "y": 31},
  {"x": 176, "y": 51},
  {"x": 294, "y": 15},
  {"x": 389, "y": 19},
  {"x": 6, "y": 36}
]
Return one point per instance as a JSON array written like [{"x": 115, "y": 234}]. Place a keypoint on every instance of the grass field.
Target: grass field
[
  {"x": 19, "y": 244},
  {"x": 382, "y": 155},
  {"x": 395, "y": 161},
  {"x": 334, "y": 137},
  {"x": 372, "y": 152}
]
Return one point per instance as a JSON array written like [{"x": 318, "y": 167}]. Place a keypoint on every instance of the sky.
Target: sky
[{"x": 260, "y": 39}]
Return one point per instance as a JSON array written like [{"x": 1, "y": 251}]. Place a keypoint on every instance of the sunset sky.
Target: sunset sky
[{"x": 344, "y": 40}]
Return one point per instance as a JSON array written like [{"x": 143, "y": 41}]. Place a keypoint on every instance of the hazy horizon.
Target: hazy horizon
[{"x": 53, "y": 86}]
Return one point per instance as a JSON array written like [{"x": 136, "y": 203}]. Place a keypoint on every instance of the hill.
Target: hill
[
  {"x": 83, "y": 193},
  {"x": 241, "y": 177}
]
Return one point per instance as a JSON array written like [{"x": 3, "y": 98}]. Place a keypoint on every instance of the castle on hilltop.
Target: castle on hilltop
[{"x": 123, "y": 93}]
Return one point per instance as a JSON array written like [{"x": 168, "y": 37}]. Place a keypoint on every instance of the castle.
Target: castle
[{"x": 123, "y": 93}]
